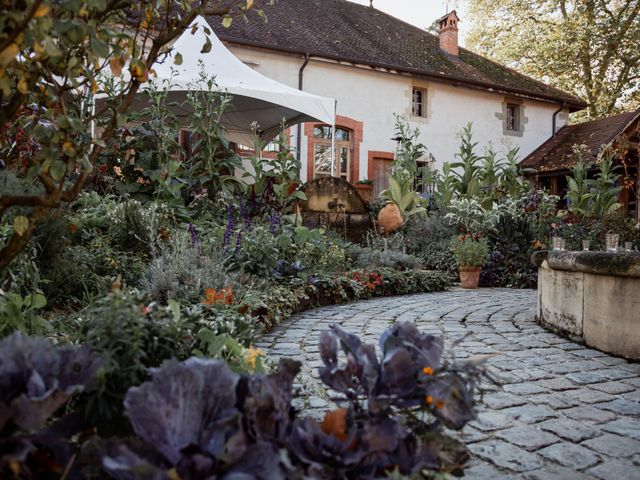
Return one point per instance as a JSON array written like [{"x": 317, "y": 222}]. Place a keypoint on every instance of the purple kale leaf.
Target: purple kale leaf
[
  {"x": 37, "y": 378},
  {"x": 183, "y": 405}
]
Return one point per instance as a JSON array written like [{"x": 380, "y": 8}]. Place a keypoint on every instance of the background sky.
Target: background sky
[{"x": 421, "y": 13}]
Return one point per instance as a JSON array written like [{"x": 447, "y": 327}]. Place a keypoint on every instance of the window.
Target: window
[
  {"x": 513, "y": 117},
  {"x": 323, "y": 135},
  {"x": 426, "y": 175},
  {"x": 419, "y": 103}
]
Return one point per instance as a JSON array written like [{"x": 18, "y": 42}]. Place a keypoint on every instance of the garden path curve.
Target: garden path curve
[{"x": 564, "y": 412}]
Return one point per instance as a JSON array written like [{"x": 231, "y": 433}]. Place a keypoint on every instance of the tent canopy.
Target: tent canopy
[{"x": 256, "y": 98}]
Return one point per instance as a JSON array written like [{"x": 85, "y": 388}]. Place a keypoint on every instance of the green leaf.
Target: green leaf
[
  {"x": 38, "y": 301},
  {"x": 20, "y": 225},
  {"x": 177, "y": 58},
  {"x": 100, "y": 48},
  {"x": 175, "y": 310},
  {"x": 206, "y": 48},
  {"x": 227, "y": 21},
  {"x": 58, "y": 170}
]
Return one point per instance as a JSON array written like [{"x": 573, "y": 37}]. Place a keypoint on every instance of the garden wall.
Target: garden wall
[{"x": 593, "y": 297}]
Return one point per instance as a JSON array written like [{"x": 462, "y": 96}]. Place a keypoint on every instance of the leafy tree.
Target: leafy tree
[
  {"x": 587, "y": 47},
  {"x": 52, "y": 55}
]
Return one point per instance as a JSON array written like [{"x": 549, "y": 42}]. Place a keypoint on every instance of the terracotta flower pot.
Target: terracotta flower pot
[
  {"x": 469, "y": 278},
  {"x": 389, "y": 219},
  {"x": 365, "y": 190}
]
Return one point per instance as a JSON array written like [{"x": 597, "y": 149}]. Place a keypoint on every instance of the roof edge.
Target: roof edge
[
  {"x": 634, "y": 117},
  {"x": 575, "y": 106}
]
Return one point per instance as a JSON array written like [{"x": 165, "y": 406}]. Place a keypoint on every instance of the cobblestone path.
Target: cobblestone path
[{"x": 564, "y": 411}]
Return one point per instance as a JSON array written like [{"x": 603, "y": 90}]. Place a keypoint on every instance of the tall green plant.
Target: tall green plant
[
  {"x": 274, "y": 180},
  {"x": 594, "y": 198},
  {"x": 402, "y": 180},
  {"x": 212, "y": 163}
]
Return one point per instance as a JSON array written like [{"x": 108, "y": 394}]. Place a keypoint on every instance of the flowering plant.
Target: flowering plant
[
  {"x": 470, "y": 251},
  {"x": 369, "y": 280}
]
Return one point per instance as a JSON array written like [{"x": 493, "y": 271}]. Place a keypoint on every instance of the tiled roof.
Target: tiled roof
[
  {"x": 556, "y": 154},
  {"x": 346, "y": 31}
]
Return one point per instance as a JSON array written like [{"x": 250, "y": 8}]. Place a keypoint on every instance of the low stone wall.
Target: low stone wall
[{"x": 593, "y": 297}]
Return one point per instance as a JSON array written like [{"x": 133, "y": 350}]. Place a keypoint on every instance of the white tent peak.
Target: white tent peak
[{"x": 256, "y": 98}]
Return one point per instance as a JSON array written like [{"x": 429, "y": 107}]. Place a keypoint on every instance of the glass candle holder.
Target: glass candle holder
[
  {"x": 585, "y": 245},
  {"x": 612, "y": 241},
  {"x": 628, "y": 246},
  {"x": 557, "y": 243}
]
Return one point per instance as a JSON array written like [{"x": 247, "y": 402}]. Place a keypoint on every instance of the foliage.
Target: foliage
[
  {"x": 429, "y": 238},
  {"x": 587, "y": 48},
  {"x": 132, "y": 336},
  {"x": 467, "y": 215},
  {"x": 275, "y": 181},
  {"x": 51, "y": 57},
  {"x": 486, "y": 178},
  {"x": 204, "y": 420},
  {"x": 21, "y": 314},
  {"x": 470, "y": 251},
  {"x": 598, "y": 196},
  {"x": 23, "y": 276},
  {"x": 36, "y": 380},
  {"x": 211, "y": 162},
  {"x": 182, "y": 272},
  {"x": 402, "y": 180},
  {"x": 374, "y": 259}
]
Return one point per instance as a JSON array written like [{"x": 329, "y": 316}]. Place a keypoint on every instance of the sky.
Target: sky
[{"x": 421, "y": 13}]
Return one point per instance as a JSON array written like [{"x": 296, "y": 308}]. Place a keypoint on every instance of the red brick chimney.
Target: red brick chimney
[{"x": 448, "y": 33}]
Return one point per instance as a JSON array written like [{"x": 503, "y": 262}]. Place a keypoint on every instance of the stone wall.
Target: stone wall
[{"x": 593, "y": 297}]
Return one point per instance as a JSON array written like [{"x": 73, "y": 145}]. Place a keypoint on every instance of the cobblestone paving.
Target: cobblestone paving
[{"x": 564, "y": 411}]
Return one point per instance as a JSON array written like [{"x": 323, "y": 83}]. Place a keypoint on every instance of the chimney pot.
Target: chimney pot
[{"x": 448, "y": 34}]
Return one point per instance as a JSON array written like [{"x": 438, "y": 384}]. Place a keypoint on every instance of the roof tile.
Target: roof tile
[{"x": 343, "y": 30}]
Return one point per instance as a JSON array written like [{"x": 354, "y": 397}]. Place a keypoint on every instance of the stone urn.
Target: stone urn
[
  {"x": 469, "y": 277},
  {"x": 389, "y": 219}
]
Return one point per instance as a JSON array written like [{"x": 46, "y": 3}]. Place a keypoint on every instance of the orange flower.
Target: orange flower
[
  {"x": 73, "y": 228},
  {"x": 439, "y": 404},
  {"x": 429, "y": 400},
  {"x": 427, "y": 371},
  {"x": 218, "y": 297},
  {"x": 210, "y": 296},
  {"x": 335, "y": 423}
]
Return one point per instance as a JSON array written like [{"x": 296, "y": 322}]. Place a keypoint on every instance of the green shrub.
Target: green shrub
[
  {"x": 469, "y": 251},
  {"x": 18, "y": 313},
  {"x": 181, "y": 272},
  {"x": 132, "y": 336},
  {"x": 255, "y": 252},
  {"x": 429, "y": 238},
  {"x": 369, "y": 258}
]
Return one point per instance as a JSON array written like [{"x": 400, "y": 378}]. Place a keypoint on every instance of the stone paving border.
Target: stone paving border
[{"x": 564, "y": 412}]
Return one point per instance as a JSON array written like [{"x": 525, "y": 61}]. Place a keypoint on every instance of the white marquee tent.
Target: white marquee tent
[{"x": 256, "y": 98}]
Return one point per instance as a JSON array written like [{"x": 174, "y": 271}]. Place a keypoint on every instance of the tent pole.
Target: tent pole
[{"x": 333, "y": 141}]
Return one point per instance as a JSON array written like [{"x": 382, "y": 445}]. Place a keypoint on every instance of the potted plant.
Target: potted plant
[
  {"x": 470, "y": 252},
  {"x": 365, "y": 189}
]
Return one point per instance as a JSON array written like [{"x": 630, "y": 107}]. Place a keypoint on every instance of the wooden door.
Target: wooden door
[{"x": 381, "y": 172}]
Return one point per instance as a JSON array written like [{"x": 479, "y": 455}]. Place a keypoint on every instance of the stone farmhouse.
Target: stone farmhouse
[{"x": 376, "y": 66}]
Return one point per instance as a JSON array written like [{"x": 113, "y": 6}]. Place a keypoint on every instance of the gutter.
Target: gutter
[{"x": 300, "y": 87}]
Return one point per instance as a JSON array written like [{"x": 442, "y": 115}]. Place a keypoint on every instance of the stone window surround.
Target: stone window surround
[
  {"x": 346, "y": 123},
  {"x": 502, "y": 116},
  {"x": 426, "y": 101}
]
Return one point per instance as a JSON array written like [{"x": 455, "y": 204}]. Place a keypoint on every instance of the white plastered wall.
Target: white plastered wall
[{"x": 372, "y": 97}]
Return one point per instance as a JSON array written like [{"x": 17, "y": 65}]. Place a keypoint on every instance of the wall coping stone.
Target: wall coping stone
[{"x": 624, "y": 264}]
